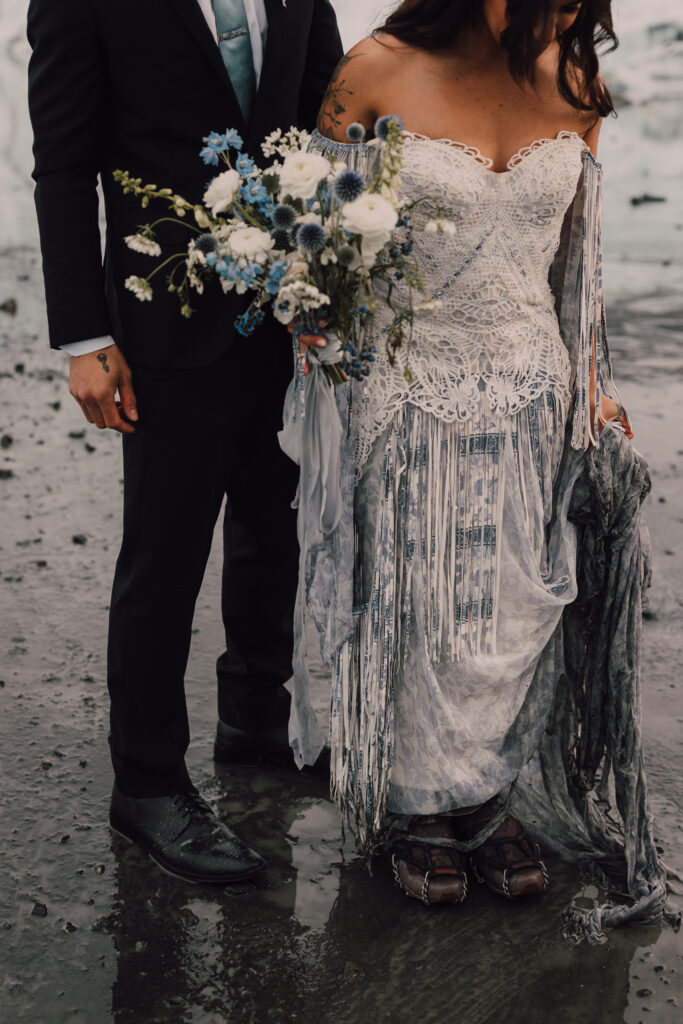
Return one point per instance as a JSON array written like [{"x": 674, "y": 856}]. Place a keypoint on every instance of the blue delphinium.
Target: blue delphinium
[
  {"x": 249, "y": 321},
  {"x": 244, "y": 164},
  {"x": 253, "y": 192},
  {"x": 278, "y": 269},
  {"x": 284, "y": 216},
  {"x": 311, "y": 237},
  {"x": 355, "y": 132},
  {"x": 382, "y": 125},
  {"x": 349, "y": 185},
  {"x": 215, "y": 144}
]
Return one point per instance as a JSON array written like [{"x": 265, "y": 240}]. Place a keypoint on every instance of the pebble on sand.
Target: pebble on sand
[
  {"x": 39, "y": 910},
  {"x": 9, "y": 306},
  {"x": 79, "y": 538}
]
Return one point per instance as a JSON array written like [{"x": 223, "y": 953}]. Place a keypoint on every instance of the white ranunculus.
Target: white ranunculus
[
  {"x": 301, "y": 173},
  {"x": 372, "y": 217},
  {"x": 250, "y": 244},
  {"x": 222, "y": 191}
]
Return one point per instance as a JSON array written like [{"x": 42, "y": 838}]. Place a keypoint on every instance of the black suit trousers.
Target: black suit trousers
[{"x": 203, "y": 433}]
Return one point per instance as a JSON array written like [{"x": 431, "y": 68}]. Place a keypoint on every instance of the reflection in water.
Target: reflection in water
[{"x": 319, "y": 938}]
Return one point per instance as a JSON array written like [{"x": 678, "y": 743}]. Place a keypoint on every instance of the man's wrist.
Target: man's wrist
[{"x": 84, "y": 348}]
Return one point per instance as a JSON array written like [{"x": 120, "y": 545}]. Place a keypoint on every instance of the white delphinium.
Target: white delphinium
[
  {"x": 141, "y": 243},
  {"x": 301, "y": 174},
  {"x": 222, "y": 191},
  {"x": 280, "y": 143},
  {"x": 298, "y": 296},
  {"x": 140, "y": 288}
]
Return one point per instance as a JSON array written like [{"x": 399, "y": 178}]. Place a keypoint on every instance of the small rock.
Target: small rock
[
  {"x": 41, "y": 564},
  {"x": 90, "y": 448},
  {"x": 69, "y": 927},
  {"x": 45, "y": 763},
  {"x": 19, "y": 367},
  {"x": 65, "y": 839},
  {"x": 39, "y": 910},
  {"x": 643, "y": 993},
  {"x": 79, "y": 538},
  {"x": 9, "y": 306},
  {"x": 662, "y": 501},
  {"x": 55, "y": 405},
  {"x": 658, "y": 968},
  {"x": 99, "y": 869},
  {"x": 6, "y": 474},
  {"x": 77, "y": 435},
  {"x": 6, "y": 441},
  {"x": 646, "y": 198},
  {"x": 83, "y": 764}
]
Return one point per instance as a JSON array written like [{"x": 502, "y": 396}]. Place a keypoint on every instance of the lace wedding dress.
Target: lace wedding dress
[
  {"x": 474, "y": 569},
  {"x": 464, "y": 565}
]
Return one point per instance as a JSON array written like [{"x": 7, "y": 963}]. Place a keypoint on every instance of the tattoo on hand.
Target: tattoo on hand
[
  {"x": 102, "y": 358},
  {"x": 335, "y": 96}
]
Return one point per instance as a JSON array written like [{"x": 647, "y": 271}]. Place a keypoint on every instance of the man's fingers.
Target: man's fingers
[
  {"x": 84, "y": 409},
  {"x": 128, "y": 401},
  {"x": 112, "y": 416},
  {"x": 93, "y": 411}
]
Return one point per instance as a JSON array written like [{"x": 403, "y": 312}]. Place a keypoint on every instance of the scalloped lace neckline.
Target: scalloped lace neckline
[{"x": 486, "y": 162}]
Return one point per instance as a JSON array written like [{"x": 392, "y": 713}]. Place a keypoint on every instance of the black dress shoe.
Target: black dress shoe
[
  {"x": 183, "y": 835},
  {"x": 269, "y": 746}
]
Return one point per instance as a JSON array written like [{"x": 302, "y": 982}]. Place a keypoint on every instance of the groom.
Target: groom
[{"x": 136, "y": 85}]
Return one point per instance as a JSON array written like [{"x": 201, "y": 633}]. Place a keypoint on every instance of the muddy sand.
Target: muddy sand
[{"x": 90, "y": 930}]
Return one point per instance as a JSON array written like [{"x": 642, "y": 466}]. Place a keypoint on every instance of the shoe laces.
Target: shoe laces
[{"x": 192, "y": 805}]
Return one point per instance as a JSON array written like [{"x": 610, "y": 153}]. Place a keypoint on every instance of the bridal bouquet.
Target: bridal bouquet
[{"x": 307, "y": 236}]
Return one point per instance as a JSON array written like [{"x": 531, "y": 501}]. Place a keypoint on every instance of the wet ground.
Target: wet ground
[{"x": 89, "y": 929}]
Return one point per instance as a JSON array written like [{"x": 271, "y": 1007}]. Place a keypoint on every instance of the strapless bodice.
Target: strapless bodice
[{"x": 495, "y": 336}]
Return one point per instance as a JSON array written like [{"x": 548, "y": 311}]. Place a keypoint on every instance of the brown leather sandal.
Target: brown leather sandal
[
  {"x": 432, "y": 874},
  {"x": 509, "y": 863}
]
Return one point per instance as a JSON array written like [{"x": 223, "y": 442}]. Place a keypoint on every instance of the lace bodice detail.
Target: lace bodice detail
[{"x": 495, "y": 337}]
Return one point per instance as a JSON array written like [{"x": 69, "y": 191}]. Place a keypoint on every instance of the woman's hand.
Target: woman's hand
[
  {"x": 611, "y": 411},
  {"x": 306, "y": 341}
]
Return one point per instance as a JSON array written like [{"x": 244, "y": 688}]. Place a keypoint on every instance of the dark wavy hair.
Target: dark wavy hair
[{"x": 436, "y": 25}]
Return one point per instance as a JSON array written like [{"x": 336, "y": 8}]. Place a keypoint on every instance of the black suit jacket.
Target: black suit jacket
[{"x": 136, "y": 84}]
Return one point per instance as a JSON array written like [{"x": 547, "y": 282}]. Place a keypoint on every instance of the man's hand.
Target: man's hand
[{"x": 94, "y": 380}]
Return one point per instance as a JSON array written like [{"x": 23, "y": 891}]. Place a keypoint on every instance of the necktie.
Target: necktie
[{"x": 234, "y": 41}]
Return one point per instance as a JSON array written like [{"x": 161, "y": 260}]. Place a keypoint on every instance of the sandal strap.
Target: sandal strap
[{"x": 405, "y": 851}]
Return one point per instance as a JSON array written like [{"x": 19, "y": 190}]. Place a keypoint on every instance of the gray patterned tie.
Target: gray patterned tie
[{"x": 235, "y": 45}]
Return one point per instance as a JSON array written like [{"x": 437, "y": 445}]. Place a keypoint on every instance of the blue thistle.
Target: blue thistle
[
  {"x": 346, "y": 255},
  {"x": 355, "y": 132},
  {"x": 349, "y": 185},
  {"x": 284, "y": 216},
  {"x": 282, "y": 238},
  {"x": 383, "y": 124},
  {"x": 206, "y": 243},
  {"x": 311, "y": 237}
]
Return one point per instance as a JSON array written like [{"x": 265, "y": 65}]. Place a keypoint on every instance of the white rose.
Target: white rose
[
  {"x": 250, "y": 244},
  {"x": 372, "y": 217},
  {"x": 301, "y": 174},
  {"x": 222, "y": 191}
]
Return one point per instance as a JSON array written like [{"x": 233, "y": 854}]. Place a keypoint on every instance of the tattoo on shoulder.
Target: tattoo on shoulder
[
  {"x": 336, "y": 95},
  {"x": 102, "y": 358}
]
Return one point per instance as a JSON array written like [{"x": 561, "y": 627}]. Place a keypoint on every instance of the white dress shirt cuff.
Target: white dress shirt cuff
[{"x": 83, "y": 348}]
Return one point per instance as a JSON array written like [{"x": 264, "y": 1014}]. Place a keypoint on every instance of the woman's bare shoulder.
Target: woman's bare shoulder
[{"x": 354, "y": 92}]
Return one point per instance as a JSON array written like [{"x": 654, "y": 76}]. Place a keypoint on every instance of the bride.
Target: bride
[{"x": 458, "y": 549}]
